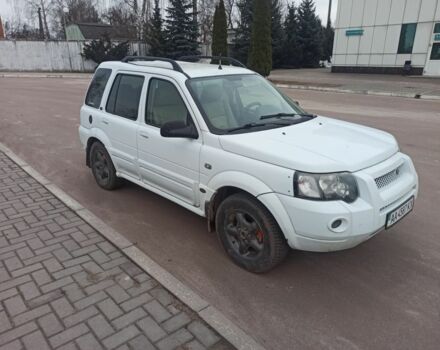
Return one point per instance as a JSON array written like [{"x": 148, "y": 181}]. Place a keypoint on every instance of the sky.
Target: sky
[{"x": 6, "y": 8}]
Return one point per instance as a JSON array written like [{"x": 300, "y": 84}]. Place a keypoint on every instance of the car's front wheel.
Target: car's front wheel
[
  {"x": 250, "y": 234},
  {"x": 102, "y": 167}
]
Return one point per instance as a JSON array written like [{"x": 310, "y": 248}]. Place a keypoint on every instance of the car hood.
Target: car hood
[{"x": 319, "y": 145}]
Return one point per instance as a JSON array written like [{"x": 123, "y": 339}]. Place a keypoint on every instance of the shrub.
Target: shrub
[{"x": 103, "y": 49}]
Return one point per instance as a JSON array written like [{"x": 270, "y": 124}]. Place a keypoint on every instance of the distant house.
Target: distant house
[{"x": 93, "y": 31}]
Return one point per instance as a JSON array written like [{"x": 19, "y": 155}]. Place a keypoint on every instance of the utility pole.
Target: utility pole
[
  {"x": 329, "y": 20},
  {"x": 40, "y": 24},
  {"x": 2, "y": 32}
]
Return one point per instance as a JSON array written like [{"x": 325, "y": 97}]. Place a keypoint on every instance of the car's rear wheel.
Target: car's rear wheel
[
  {"x": 249, "y": 233},
  {"x": 102, "y": 167}
]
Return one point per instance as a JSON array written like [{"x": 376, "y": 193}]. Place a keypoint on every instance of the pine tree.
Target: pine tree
[
  {"x": 156, "y": 37},
  {"x": 220, "y": 31},
  {"x": 309, "y": 34},
  {"x": 260, "y": 53},
  {"x": 292, "y": 54},
  {"x": 243, "y": 31},
  {"x": 278, "y": 35},
  {"x": 181, "y": 29}
]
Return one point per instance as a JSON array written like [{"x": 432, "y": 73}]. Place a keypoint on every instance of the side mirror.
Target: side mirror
[{"x": 179, "y": 129}]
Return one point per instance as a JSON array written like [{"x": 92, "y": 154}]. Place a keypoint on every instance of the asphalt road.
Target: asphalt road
[{"x": 384, "y": 294}]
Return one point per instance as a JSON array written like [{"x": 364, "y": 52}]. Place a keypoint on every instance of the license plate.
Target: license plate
[{"x": 399, "y": 213}]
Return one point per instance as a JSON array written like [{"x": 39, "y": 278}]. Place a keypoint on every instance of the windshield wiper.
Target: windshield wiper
[
  {"x": 255, "y": 125},
  {"x": 282, "y": 115}
]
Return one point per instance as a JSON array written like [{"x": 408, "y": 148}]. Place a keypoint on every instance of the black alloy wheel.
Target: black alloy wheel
[
  {"x": 102, "y": 167},
  {"x": 249, "y": 233}
]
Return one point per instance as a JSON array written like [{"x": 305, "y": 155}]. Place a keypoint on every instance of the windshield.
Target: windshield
[{"x": 243, "y": 103}]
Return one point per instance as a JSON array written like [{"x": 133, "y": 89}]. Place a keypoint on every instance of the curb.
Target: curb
[
  {"x": 359, "y": 92},
  {"x": 212, "y": 316}
]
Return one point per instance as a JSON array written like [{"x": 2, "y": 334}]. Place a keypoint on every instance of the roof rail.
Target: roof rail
[
  {"x": 174, "y": 64},
  {"x": 197, "y": 58}
]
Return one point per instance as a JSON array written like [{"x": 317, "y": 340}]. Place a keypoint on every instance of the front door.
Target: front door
[
  {"x": 120, "y": 122},
  {"x": 169, "y": 164},
  {"x": 433, "y": 63}
]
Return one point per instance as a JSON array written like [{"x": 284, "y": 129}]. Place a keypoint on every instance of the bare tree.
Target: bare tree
[
  {"x": 45, "y": 5},
  {"x": 122, "y": 19},
  {"x": 20, "y": 14},
  {"x": 206, "y": 10},
  {"x": 77, "y": 11},
  {"x": 230, "y": 8},
  {"x": 141, "y": 10}
]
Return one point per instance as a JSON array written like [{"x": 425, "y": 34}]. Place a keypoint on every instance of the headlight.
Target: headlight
[{"x": 326, "y": 187}]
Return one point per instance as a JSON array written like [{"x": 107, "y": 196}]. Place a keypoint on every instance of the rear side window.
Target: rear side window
[
  {"x": 125, "y": 96},
  {"x": 96, "y": 89}
]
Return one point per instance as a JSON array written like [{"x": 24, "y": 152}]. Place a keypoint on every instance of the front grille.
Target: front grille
[{"x": 388, "y": 178}]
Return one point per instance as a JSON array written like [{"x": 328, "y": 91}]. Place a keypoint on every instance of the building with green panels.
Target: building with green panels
[{"x": 381, "y": 36}]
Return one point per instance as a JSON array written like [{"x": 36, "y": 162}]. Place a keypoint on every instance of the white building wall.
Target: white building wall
[{"x": 382, "y": 21}]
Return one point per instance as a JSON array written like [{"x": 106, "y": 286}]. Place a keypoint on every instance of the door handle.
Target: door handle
[
  {"x": 145, "y": 136},
  {"x": 105, "y": 122}
]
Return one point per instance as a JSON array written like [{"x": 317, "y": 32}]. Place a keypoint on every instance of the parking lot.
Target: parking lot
[{"x": 384, "y": 294}]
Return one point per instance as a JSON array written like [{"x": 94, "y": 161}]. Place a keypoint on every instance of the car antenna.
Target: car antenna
[{"x": 220, "y": 63}]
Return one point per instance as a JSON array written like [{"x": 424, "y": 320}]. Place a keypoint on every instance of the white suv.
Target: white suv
[{"x": 224, "y": 143}]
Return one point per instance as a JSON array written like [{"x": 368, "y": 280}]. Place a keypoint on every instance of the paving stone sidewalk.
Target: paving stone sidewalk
[{"x": 64, "y": 286}]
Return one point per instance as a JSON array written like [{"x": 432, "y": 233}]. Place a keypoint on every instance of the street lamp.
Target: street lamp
[{"x": 65, "y": 12}]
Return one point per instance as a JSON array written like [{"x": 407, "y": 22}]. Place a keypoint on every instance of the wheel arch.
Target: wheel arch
[
  {"x": 234, "y": 182},
  {"x": 226, "y": 184},
  {"x": 96, "y": 136}
]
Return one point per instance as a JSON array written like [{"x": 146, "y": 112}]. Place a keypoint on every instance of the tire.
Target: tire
[
  {"x": 102, "y": 168},
  {"x": 249, "y": 233}
]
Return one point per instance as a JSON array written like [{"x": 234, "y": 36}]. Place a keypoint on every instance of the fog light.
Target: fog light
[{"x": 336, "y": 223}]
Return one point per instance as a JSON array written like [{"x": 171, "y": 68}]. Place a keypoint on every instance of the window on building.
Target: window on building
[
  {"x": 437, "y": 28},
  {"x": 407, "y": 36},
  {"x": 435, "y": 53},
  {"x": 125, "y": 95},
  {"x": 96, "y": 89}
]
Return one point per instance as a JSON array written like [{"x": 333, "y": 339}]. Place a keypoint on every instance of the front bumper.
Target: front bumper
[{"x": 311, "y": 221}]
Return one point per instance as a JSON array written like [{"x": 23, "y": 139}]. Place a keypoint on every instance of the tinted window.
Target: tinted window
[
  {"x": 96, "y": 89},
  {"x": 125, "y": 95},
  {"x": 437, "y": 28},
  {"x": 435, "y": 53},
  {"x": 164, "y": 104},
  {"x": 407, "y": 36}
]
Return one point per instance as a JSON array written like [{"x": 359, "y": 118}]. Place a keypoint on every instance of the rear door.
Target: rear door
[{"x": 120, "y": 121}]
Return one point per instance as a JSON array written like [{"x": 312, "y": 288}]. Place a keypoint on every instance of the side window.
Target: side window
[
  {"x": 407, "y": 36},
  {"x": 97, "y": 87},
  {"x": 164, "y": 104},
  {"x": 125, "y": 96}
]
